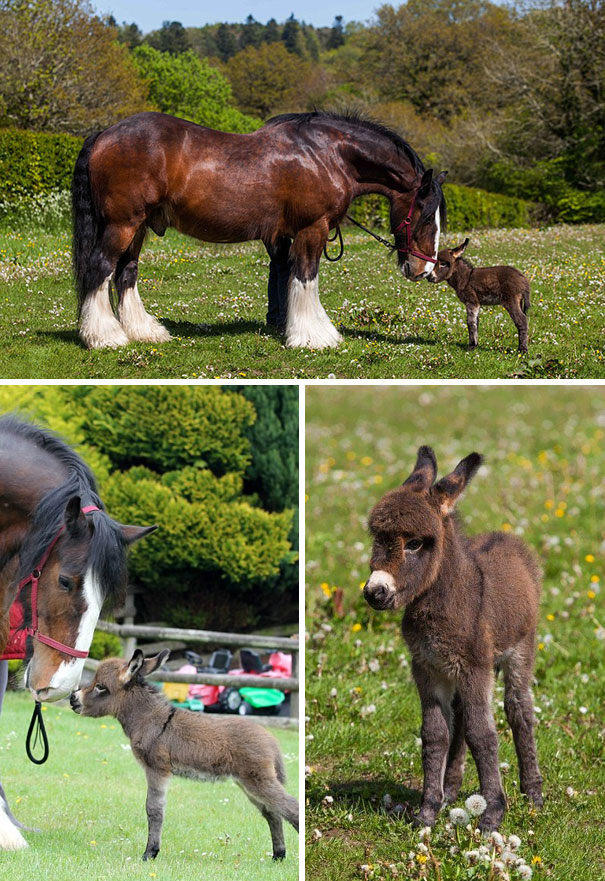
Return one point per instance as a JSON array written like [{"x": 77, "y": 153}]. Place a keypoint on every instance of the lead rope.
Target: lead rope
[
  {"x": 38, "y": 730},
  {"x": 338, "y": 235}
]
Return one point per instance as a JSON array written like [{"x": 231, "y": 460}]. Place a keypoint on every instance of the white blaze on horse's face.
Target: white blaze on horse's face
[{"x": 66, "y": 677}]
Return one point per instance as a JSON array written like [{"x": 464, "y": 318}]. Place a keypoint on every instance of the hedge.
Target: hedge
[
  {"x": 467, "y": 208},
  {"x": 32, "y": 163}
]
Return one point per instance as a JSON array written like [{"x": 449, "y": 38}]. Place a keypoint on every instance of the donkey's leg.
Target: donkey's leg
[
  {"x": 435, "y": 700},
  {"x": 482, "y": 738},
  {"x": 157, "y": 785},
  {"x": 279, "y": 276},
  {"x": 270, "y": 793},
  {"x": 519, "y": 707},
  {"x": 472, "y": 322},
  {"x": 454, "y": 771},
  {"x": 136, "y": 322},
  {"x": 520, "y": 319},
  {"x": 99, "y": 328},
  {"x": 308, "y": 324},
  {"x": 276, "y": 827}
]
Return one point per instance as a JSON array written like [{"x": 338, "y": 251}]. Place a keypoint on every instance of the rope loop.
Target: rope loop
[{"x": 38, "y": 731}]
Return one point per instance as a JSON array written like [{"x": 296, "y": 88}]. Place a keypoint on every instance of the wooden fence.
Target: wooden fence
[{"x": 209, "y": 637}]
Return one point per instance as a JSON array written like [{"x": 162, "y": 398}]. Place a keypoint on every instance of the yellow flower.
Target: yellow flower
[
  {"x": 356, "y": 627},
  {"x": 550, "y": 617},
  {"x": 594, "y": 579},
  {"x": 326, "y": 588},
  {"x": 589, "y": 558},
  {"x": 537, "y": 861},
  {"x": 378, "y": 478},
  {"x": 540, "y": 646},
  {"x": 544, "y": 518},
  {"x": 559, "y": 512},
  {"x": 548, "y": 504},
  {"x": 591, "y": 594},
  {"x": 362, "y": 584},
  {"x": 506, "y": 527},
  {"x": 421, "y": 858},
  {"x": 366, "y": 460},
  {"x": 351, "y": 456}
]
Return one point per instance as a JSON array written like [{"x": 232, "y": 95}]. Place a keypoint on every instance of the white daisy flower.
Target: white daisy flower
[{"x": 475, "y": 805}]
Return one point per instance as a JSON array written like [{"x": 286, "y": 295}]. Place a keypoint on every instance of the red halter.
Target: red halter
[
  {"x": 407, "y": 224},
  {"x": 34, "y": 577}
]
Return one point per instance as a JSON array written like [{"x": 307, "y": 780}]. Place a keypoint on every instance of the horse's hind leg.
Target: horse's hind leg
[
  {"x": 519, "y": 707},
  {"x": 136, "y": 322},
  {"x": 308, "y": 323},
  {"x": 10, "y": 837},
  {"x": 279, "y": 276}
]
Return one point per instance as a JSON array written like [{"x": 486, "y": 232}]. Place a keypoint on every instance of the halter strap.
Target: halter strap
[
  {"x": 407, "y": 223},
  {"x": 34, "y": 578}
]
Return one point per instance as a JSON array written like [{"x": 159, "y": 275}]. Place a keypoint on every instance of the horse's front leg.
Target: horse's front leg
[
  {"x": 308, "y": 324},
  {"x": 10, "y": 837}
]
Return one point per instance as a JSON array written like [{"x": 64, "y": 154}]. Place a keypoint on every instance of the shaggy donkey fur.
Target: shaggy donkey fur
[
  {"x": 487, "y": 286},
  {"x": 166, "y": 741},
  {"x": 470, "y": 606}
]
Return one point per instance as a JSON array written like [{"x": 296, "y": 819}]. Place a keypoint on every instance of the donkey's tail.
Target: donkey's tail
[
  {"x": 86, "y": 222},
  {"x": 526, "y": 305}
]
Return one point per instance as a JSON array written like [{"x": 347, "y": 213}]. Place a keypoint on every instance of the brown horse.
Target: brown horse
[
  {"x": 286, "y": 184},
  {"x": 55, "y": 532}
]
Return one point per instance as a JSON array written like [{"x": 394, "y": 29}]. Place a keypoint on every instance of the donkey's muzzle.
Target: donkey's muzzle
[
  {"x": 379, "y": 596},
  {"x": 75, "y": 702}
]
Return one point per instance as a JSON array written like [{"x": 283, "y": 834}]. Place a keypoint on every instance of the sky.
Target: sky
[{"x": 149, "y": 14}]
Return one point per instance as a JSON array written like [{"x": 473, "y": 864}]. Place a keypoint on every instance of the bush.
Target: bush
[
  {"x": 48, "y": 211},
  {"x": 467, "y": 208},
  {"x": 105, "y": 645},
  {"x": 34, "y": 163}
]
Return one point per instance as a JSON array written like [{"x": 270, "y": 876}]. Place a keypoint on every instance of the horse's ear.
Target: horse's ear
[
  {"x": 133, "y": 667},
  {"x": 425, "y": 183},
  {"x": 459, "y": 251},
  {"x": 75, "y": 521},
  {"x": 425, "y": 470},
  {"x": 448, "y": 490},
  {"x": 130, "y": 534},
  {"x": 441, "y": 177},
  {"x": 152, "y": 664}
]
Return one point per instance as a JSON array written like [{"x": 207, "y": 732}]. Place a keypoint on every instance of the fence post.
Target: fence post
[{"x": 294, "y": 701}]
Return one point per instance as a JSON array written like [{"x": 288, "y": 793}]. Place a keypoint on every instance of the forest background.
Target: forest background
[{"x": 508, "y": 98}]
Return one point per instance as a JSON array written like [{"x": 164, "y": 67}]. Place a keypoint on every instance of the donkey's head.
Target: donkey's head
[
  {"x": 408, "y": 526},
  {"x": 416, "y": 222},
  {"x": 446, "y": 262},
  {"x": 86, "y": 564},
  {"x": 113, "y": 684}
]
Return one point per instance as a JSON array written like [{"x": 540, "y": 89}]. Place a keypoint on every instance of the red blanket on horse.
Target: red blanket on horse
[{"x": 15, "y": 647}]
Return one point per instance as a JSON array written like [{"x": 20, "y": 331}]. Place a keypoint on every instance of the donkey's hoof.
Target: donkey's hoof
[
  {"x": 279, "y": 854},
  {"x": 151, "y": 853},
  {"x": 535, "y": 796}
]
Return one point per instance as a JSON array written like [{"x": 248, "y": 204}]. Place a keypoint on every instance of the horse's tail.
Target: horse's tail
[
  {"x": 526, "y": 305},
  {"x": 86, "y": 222}
]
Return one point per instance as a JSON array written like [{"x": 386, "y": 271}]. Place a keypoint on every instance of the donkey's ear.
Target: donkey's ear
[
  {"x": 133, "y": 666},
  {"x": 75, "y": 521},
  {"x": 425, "y": 470},
  {"x": 130, "y": 534},
  {"x": 459, "y": 251},
  {"x": 441, "y": 177},
  {"x": 152, "y": 664},
  {"x": 448, "y": 490}
]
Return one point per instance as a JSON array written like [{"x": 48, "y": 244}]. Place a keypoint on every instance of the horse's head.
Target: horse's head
[
  {"x": 416, "y": 225},
  {"x": 87, "y": 563}
]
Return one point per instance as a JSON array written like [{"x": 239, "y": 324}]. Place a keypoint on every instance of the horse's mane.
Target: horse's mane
[
  {"x": 106, "y": 553},
  {"x": 355, "y": 119}
]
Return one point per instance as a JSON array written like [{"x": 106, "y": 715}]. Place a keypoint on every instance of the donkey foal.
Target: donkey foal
[
  {"x": 470, "y": 607},
  {"x": 166, "y": 741},
  {"x": 488, "y": 286}
]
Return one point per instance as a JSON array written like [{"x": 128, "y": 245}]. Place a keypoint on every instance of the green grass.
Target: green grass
[
  {"x": 89, "y": 802},
  {"x": 213, "y": 300},
  {"x": 544, "y": 479}
]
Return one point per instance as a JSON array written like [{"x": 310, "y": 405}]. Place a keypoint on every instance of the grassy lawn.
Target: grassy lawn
[
  {"x": 213, "y": 300},
  {"x": 543, "y": 479},
  {"x": 89, "y": 802}
]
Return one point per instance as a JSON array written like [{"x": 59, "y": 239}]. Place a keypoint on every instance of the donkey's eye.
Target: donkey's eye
[
  {"x": 442, "y": 264},
  {"x": 100, "y": 689},
  {"x": 414, "y": 544},
  {"x": 65, "y": 582}
]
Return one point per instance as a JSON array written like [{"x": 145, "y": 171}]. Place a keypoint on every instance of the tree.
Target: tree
[
  {"x": 129, "y": 35},
  {"x": 272, "y": 32},
  {"x": 226, "y": 42},
  {"x": 337, "y": 36},
  {"x": 252, "y": 33},
  {"x": 61, "y": 68},
  {"x": 266, "y": 79},
  {"x": 292, "y": 37},
  {"x": 188, "y": 86},
  {"x": 172, "y": 38}
]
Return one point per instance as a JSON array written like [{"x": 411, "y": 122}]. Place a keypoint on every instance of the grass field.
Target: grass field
[
  {"x": 213, "y": 300},
  {"x": 89, "y": 802},
  {"x": 544, "y": 479}
]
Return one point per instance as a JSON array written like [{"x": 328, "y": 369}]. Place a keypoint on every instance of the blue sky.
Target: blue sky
[{"x": 149, "y": 14}]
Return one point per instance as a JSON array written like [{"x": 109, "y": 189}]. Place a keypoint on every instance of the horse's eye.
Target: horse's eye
[
  {"x": 65, "y": 582},
  {"x": 414, "y": 544},
  {"x": 100, "y": 689}
]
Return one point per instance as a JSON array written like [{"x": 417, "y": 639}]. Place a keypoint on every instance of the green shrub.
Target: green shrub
[
  {"x": 35, "y": 163},
  {"x": 48, "y": 211},
  {"x": 467, "y": 208},
  {"x": 105, "y": 645}
]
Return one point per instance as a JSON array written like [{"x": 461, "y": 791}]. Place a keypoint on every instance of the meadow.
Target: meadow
[
  {"x": 89, "y": 803},
  {"x": 543, "y": 479},
  {"x": 213, "y": 300}
]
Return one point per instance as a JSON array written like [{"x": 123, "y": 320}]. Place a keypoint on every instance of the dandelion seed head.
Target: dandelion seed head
[
  {"x": 459, "y": 817},
  {"x": 524, "y": 872},
  {"x": 514, "y": 842},
  {"x": 496, "y": 839},
  {"x": 475, "y": 805}
]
